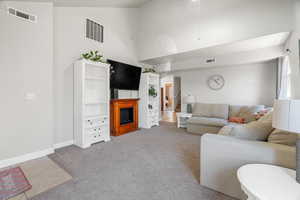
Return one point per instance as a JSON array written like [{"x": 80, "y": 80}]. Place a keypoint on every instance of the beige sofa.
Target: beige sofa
[
  {"x": 221, "y": 156},
  {"x": 210, "y": 118}
]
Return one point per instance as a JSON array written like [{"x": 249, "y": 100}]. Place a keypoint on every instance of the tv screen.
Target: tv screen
[{"x": 124, "y": 76}]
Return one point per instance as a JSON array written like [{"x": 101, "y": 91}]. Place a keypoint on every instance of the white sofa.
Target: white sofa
[{"x": 221, "y": 156}]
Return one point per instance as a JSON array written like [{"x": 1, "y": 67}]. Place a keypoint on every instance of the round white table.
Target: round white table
[{"x": 268, "y": 182}]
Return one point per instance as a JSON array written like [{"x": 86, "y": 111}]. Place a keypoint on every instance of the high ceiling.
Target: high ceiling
[
  {"x": 231, "y": 48},
  {"x": 94, "y": 3}
]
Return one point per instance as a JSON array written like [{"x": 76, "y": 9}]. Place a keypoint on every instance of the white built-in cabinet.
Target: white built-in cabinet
[
  {"x": 91, "y": 103},
  {"x": 149, "y": 105}
]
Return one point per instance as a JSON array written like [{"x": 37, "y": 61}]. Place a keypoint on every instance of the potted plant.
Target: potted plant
[
  {"x": 152, "y": 92},
  {"x": 93, "y": 56},
  {"x": 149, "y": 70}
]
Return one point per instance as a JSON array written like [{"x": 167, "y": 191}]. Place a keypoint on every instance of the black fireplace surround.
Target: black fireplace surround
[{"x": 126, "y": 116}]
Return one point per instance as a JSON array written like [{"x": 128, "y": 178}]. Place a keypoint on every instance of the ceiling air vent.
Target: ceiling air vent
[
  {"x": 23, "y": 15},
  {"x": 212, "y": 60},
  {"x": 94, "y": 31}
]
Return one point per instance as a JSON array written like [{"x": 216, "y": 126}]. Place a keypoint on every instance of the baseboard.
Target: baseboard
[
  {"x": 34, "y": 155},
  {"x": 26, "y": 157},
  {"x": 63, "y": 144}
]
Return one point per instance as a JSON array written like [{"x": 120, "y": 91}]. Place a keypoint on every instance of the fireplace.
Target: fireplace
[{"x": 124, "y": 116}]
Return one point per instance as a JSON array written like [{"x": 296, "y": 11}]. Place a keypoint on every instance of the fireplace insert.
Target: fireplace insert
[{"x": 126, "y": 116}]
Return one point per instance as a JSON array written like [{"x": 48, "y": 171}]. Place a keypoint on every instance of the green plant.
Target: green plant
[
  {"x": 93, "y": 56},
  {"x": 149, "y": 70},
  {"x": 152, "y": 92}
]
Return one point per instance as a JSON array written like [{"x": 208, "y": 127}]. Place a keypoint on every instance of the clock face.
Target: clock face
[{"x": 216, "y": 82}]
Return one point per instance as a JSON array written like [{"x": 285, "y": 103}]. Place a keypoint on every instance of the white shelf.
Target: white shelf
[
  {"x": 96, "y": 78},
  {"x": 91, "y": 102},
  {"x": 149, "y": 117}
]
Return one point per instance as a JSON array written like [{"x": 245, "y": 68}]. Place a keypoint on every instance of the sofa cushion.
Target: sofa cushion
[
  {"x": 283, "y": 137},
  {"x": 208, "y": 121},
  {"x": 251, "y": 131},
  {"x": 267, "y": 118},
  {"x": 246, "y": 112},
  {"x": 226, "y": 130},
  {"x": 211, "y": 110},
  {"x": 256, "y": 130}
]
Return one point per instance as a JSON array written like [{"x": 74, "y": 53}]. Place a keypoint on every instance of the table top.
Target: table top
[{"x": 269, "y": 182}]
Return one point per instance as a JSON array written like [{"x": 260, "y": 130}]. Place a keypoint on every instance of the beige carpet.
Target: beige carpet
[
  {"x": 161, "y": 163},
  {"x": 43, "y": 174}
]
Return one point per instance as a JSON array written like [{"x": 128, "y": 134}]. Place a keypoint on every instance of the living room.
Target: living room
[{"x": 226, "y": 54}]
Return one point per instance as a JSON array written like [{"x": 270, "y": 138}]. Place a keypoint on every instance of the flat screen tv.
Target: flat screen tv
[{"x": 124, "y": 76}]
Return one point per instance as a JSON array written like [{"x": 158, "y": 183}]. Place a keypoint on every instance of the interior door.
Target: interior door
[{"x": 162, "y": 99}]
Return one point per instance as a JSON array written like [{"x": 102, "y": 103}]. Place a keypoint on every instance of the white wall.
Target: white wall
[
  {"x": 168, "y": 27},
  {"x": 249, "y": 84},
  {"x": 70, "y": 42},
  {"x": 294, "y": 46},
  {"x": 26, "y": 67}
]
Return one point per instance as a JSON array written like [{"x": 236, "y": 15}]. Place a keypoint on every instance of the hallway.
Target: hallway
[{"x": 168, "y": 116}]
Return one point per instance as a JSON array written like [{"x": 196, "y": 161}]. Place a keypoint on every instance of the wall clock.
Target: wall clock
[{"x": 216, "y": 82}]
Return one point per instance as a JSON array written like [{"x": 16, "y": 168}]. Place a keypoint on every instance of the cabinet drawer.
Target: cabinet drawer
[
  {"x": 100, "y": 130},
  {"x": 96, "y": 134},
  {"x": 91, "y": 123}
]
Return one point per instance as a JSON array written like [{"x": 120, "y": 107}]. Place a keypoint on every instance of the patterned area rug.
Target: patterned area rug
[{"x": 12, "y": 183}]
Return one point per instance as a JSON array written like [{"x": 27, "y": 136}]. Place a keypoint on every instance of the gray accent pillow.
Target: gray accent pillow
[
  {"x": 283, "y": 137},
  {"x": 256, "y": 130},
  {"x": 251, "y": 131}
]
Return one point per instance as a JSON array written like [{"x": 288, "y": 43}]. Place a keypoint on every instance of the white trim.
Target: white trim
[
  {"x": 26, "y": 157},
  {"x": 63, "y": 144}
]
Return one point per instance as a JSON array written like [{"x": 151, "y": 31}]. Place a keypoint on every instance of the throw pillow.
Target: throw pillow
[
  {"x": 256, "y": 130},
  {"x": 262, "y": 113},
  {"x": 249, "y": 112},
  {"x": 283, "y": 137},
  {"x": 238, "y": 120},
  {"x": 267, "y": 118}
]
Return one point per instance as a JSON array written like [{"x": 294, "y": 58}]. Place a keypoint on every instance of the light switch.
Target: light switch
[{"x": 30, "y": 96}]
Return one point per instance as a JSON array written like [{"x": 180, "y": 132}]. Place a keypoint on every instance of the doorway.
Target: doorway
[
  {"x": 177, "y": 94},
  {"x": 168, "y": 97}
]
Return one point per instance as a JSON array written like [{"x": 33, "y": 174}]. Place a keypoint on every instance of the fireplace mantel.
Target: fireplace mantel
[
  {"x": 123, "y": 100},
  {"x": 117, "y": 127}
]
